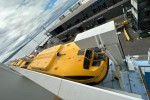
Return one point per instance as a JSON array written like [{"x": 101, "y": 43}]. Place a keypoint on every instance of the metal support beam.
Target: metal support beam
[
  {"x": 69, "y": 90},
  {"x": 106, "y": 39},
  {"x": 120, "y": 77}
]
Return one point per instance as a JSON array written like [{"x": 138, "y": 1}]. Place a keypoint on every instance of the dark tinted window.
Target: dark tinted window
[
  {"x": 97, "y": 59},
  {"x": 81, "y": 52},
  {"x": 87, "y": 58}
]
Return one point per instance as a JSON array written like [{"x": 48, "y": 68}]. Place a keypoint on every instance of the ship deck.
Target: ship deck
[{"x": 132, "y": 80}]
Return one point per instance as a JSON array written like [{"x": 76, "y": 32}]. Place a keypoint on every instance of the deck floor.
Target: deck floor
[
  {"x": 132, "y": 81},
  {"x": 136, "y": 46}
]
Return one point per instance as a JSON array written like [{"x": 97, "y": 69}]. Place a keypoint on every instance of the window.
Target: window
[
  {"x": 87, "y": 58},
  {"x": 80, "y": 52}
]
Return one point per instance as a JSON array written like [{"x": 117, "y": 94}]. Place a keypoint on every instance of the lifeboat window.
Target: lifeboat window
[
  {"x": 88, "y": 54},
  {"x": 80, "y": 52},
  {"x": 96, "y": 49},
  {"x": 87, "y": 58},
  {"x": 26, "y": 63},
  {"x": 80, "y": 77},
  {"x": 97, "y": 59}
]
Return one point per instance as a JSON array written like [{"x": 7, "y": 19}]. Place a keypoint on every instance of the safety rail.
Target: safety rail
[{"x": 68, "y": 90}]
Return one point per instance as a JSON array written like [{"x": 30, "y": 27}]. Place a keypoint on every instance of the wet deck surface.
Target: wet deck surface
[{"x": 136, "y": 46}]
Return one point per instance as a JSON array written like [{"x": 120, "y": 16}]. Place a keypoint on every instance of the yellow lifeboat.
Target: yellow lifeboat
[{"x": 68, "y": 61}]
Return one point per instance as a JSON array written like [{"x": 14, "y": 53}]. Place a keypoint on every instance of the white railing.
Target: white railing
[{"x": 68, "y": 90}]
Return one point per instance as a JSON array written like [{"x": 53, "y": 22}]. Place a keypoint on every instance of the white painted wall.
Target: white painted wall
[{"x": 68, "y": 90}]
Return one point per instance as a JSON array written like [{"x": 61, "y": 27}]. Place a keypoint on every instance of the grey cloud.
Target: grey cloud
[{"x": 21, "y": 19}]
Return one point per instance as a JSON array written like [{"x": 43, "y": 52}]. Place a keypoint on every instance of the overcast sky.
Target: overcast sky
[{"x": 21, "y": 19}]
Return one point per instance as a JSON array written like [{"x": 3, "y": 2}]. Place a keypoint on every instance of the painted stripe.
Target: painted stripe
[{"x": 126, "y": 34}]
